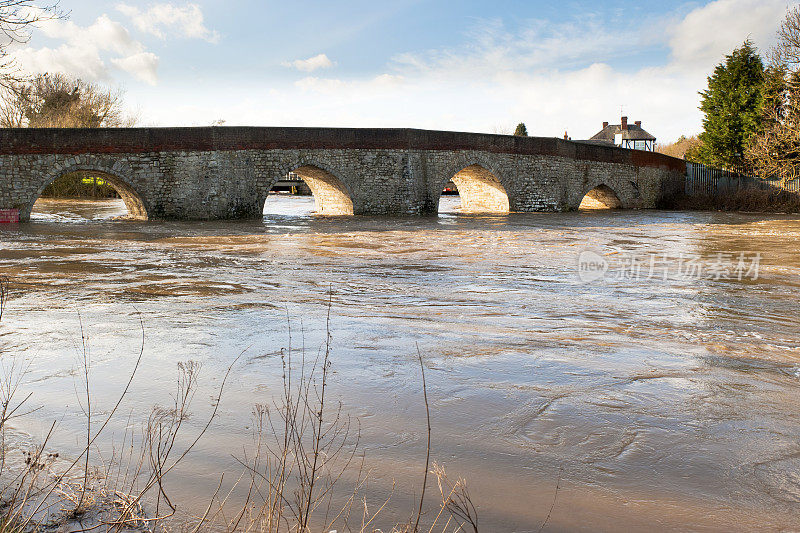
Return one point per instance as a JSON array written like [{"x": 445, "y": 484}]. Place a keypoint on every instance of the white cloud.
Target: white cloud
[
  {"x": 492, "y": 48},
  {"x": 80, "y": 62},
  {"x": 162, "y": 20},
  {"x": 558, "y": 77},
  {"x": 709, "y": 32},
  {"x": 551, "y": 76},
  {"x": 351, "y": 91},
  {"x": 311, "y": 64},
  {"x": 83, "y": 51},
  {"x": 143, "y": 65}
]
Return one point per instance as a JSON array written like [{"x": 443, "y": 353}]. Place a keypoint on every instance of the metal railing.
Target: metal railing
[{"x": 709, "y": 181}]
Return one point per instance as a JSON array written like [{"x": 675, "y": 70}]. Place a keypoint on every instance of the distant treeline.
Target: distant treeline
[{"x": 80, "y": 185}]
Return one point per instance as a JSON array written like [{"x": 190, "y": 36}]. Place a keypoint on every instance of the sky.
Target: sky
[{"x": 465, "y": 66}]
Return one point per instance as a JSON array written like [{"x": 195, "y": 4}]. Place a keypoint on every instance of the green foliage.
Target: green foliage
[
  {"x": 521, "y": 130},
  {"x": 80, "y": 185},
  {"x": 732, "y": 108},
  {"x": 692, "y": 152}
]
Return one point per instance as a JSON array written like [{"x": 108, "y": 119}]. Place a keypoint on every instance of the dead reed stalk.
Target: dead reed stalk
[{"x": 303, "y": 449}]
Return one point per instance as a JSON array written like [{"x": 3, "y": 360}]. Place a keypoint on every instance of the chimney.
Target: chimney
[
  {"x": 605, "y": 125},
  {"x": 566, "y": 137},
  {"x": 638, "y": 123},
  {"x": 624, "y": 123}
]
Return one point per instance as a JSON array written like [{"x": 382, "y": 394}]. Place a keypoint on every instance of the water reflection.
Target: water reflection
[
  {"x": 666, "y": 402},
  {"x": 73, "y": 210}
]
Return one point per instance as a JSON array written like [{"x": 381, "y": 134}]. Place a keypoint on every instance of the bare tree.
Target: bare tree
[
  {"x": 59, "y": 101},
  {"x": 775, "y": 151},
  {"x": 683, "y": 148},
  {"x": 787, "y": 51},
  {"x": 17, "y": 18}
]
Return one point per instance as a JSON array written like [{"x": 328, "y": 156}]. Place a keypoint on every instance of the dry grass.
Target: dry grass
[
  {"x": 293, "y": 476},
  {"x": 756, "y": 200},
  {"x": 125, "y": 492},
  {"x": 303, "y": 451}
]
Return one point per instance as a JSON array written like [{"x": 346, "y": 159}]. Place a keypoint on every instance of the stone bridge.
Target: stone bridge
[{"x": 227, "y": 172}]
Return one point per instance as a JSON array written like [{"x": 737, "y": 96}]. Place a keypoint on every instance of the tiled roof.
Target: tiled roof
[{"x": 633, "y": 133}]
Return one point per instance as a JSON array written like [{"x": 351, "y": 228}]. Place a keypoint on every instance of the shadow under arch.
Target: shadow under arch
[
  {"x": 600, "y": 197},
  {"x": 134, "y": 203},
  {"x": 480, "y": 190},
  {"x": 331, "y": 195}
]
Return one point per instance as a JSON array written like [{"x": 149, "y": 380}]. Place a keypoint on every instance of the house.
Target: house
[{"x": 625, "y": 135}]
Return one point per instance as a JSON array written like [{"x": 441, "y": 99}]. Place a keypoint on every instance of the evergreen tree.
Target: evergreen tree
[
  {"x": 732, "y": 108},
  {"x": 521, "y": 130}
]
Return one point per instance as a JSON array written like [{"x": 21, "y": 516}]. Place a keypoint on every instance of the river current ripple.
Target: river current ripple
[{"x": 661, "y": 402}]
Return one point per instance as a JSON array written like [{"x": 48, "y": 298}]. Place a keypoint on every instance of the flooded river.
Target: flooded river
[{"x": 659, "y": 397}]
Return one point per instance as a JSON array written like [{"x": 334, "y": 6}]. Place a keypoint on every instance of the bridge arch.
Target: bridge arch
[
  {"x": 115, "y": 173},
  {"x": 600, "y": 197},
  {"x": 479, "y": 185},
  {"x": 332, "y": 196}
]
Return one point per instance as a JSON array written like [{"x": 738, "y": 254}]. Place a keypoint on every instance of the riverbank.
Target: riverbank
[{"x": 743, "y": 200}]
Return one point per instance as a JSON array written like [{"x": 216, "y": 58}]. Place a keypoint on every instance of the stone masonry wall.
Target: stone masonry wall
[{"x": 221, "y": 179}]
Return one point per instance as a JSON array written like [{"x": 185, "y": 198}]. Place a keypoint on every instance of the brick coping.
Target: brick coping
[{"x": 21, "y": 141}]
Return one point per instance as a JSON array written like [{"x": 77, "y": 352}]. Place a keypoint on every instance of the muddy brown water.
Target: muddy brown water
[{"x": 660, "y": 402}]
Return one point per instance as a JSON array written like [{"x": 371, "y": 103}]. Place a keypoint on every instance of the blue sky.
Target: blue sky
[{"x": 475, "y": 66}]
